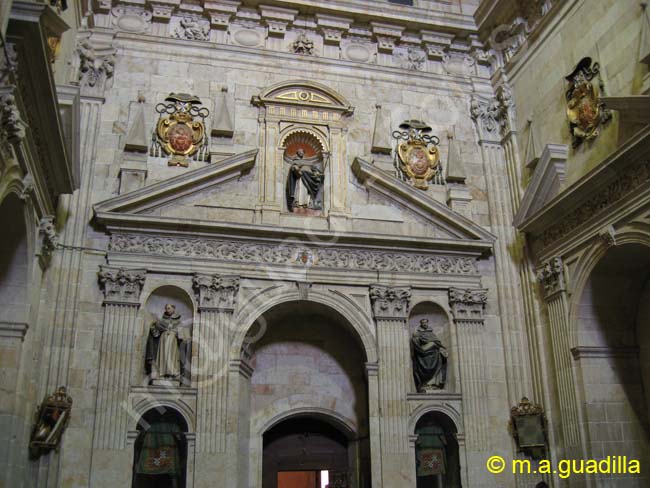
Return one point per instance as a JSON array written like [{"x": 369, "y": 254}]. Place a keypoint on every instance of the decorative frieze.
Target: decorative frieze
[
  {"x": 551, "y": 277},
  {"x": 630, "y": 180},
  {"x": 320, "y": 257},
  {"x": 468, "y": 305},
  {"x": 216, "y": 292},
  {"x": 390, "y": 302},
  {"x": 121, "y": 285},
  {"x": 192, "y": 29}
]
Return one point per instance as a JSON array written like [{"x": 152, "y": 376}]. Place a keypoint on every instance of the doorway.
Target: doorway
[{"x": 306, "y": 452}]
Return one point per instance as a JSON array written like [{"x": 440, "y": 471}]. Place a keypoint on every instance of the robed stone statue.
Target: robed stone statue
[
  {"x": 305, "y": 183},
  {"x": 429, "y": 358},
  {"x": 168, "y": 348}
]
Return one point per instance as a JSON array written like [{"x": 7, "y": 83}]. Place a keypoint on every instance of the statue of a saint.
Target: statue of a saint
[
  {"x": 167, "y": 351},
  {"x": 305, "y": 183},
  {"x": 429, "y": 358}
]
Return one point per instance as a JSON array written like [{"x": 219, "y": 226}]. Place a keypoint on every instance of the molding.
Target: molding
[
  {"x": 594, "y": 200},
  {"x": 165, "y": 192},
  {"x": 546, "y": 182},
  {"x": 437, "y": 396},
  {"x": 588, "y": 352},
  {"x": 633, "y": 108},
  {"x": 13, "y": 330},
  {"x": 386, "y": 184},
  {"x": 301, "y": 255}
]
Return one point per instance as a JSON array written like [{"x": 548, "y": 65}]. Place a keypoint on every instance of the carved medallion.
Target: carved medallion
[
  {"x": 584, "y": 110},
  {"x": 419, "y": 158},
  {"x": 180, "y": 131}
]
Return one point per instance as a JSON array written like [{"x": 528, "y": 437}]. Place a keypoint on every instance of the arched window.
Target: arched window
[
  {"x": 437, "y": 460},
  {"x": 160, "y": 454}
]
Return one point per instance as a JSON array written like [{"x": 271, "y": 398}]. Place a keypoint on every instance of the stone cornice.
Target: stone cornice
[
  {"x": 584, "y": 208},
  {"x": 161, "y": 193}
]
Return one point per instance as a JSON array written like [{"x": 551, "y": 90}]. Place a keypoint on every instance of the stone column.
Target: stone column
[
  {"x": 216, "y": 297},
  {"x": 552, "y": 280},
  {"x": 468, "y": 307},
  {"x": 390, "y": 306},
  {"x": 490, "y": 119},
  {"x": 121, "y": 289}
]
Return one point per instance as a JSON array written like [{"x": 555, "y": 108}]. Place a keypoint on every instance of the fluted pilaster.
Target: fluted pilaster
[
  {"x": 121, "y": 289},
  {"x": 217, "y": 298}
]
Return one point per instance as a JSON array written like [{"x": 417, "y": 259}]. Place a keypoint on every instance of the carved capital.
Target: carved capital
[
  {"x": 491, "y": 115},
  {"x": 96, "y": 67},
  {"x": 390, "y": 302},
  {"x": 214, "y": 292},
  {"x": 121, "y": 285},
  {"x": 551, "y": 278},
  {"x": 468, "y": 305}
]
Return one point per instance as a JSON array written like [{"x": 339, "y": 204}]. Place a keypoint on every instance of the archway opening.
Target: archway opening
[
  {"x": 306, "y": 451},
  {"x": 613, "y": 352},
  {"x": 309, "y": 365},
  {"x": 437, "y": 459},
  {"x": 160, "y": 450}
]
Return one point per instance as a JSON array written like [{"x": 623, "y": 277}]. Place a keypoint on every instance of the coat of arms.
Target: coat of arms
[
  {"x": 180, "y": 131},
  {"x": 585, "y": 112},
  {"x": 418, "y": 156}
]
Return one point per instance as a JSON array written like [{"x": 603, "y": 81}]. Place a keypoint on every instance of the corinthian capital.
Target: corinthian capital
[
  {"x": 468, "y": 305},
  {"x": 96, "y": 66},
  {"x": 491, "y": 115},
  {"x": 121, "y": 285},
  {"x": 214, "y": 292},
  {"x": 551, "y": 278},
  {"x": 390, "y": 302}
]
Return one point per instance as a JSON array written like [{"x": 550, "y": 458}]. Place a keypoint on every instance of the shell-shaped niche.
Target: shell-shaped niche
[{"x": 304, "y": 140}]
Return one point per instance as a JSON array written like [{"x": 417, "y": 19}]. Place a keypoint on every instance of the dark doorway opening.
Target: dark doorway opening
[
  {"x": 160, "y": 451},
  {"x": 306, "y": 452},
  {"x": 437, "y": 459}
]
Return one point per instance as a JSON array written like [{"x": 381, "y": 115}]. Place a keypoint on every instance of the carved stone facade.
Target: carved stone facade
[{"x": 236, "y": 165}]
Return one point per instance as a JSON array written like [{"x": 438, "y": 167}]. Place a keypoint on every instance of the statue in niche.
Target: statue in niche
[
  {"x": 429, "y": 358},
  {"x": 168, "y": 350},
  {"x": 305, "y": 183}
]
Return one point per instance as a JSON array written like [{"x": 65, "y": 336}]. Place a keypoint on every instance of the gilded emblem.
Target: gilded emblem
[
  {"x": 418, "y": 158},
  {"x": 180, "y": 131},
  {"x": 584, "y": 111}
]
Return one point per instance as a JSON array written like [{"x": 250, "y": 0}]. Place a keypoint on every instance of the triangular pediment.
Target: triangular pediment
[
  {"x": 455, "y": 225},
  {"x": 165, "y": 193},
  {"x": 545, "y": 183}
]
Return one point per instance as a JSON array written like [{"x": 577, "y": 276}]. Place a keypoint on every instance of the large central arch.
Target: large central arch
[
  {"x": 309, "y": 363},
  {"x": 256, "y": 306}
]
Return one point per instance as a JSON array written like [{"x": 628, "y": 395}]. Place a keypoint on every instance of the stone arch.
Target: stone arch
[
  {"x": 359, "y": 320},
  {"x": 144, "y": 405},
  {"x": 588, "y": 261},
  {"x": 342, "y": 423},
  {"x": 443, "y": 408}
]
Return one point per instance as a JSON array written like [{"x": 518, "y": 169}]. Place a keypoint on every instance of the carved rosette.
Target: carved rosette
[
  {"x": 468, "y": 305},
  {"x": 390, "y": 303},
  {"x": 551, "y": 278},
  {"x": 121, "y": 285},
  {"x": 214, "y": 292}
]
